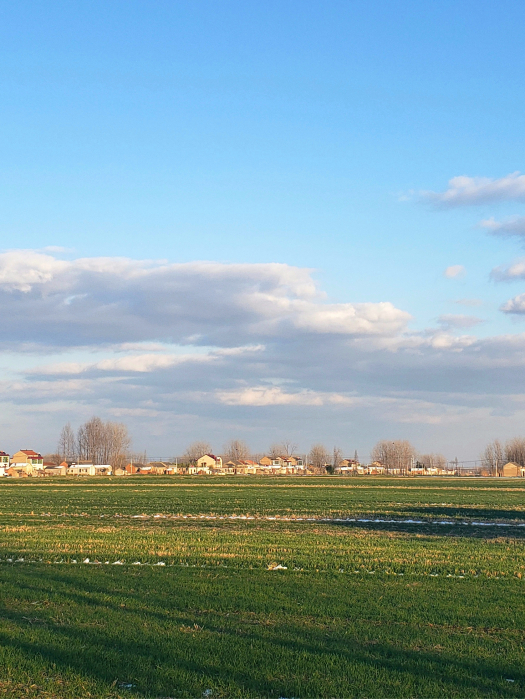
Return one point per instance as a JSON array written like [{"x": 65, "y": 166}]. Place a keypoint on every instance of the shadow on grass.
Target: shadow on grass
[
  {"x": 153, "y": 645},
  {"x": 470, "y": 512},
  {"x": 485, "y": 532},
  {"x": 448, "y": 521}
]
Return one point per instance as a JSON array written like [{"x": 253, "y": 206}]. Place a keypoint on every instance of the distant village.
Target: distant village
[
  {"x": 28, "y": 463},
  {"x": 99, "y": 448}
]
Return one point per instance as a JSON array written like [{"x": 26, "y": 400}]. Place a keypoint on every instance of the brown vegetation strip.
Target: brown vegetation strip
[{"x": 211, "y": 484}]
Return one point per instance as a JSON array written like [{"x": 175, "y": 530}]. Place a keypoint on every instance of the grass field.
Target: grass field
[{"x": 248, "y": 587}]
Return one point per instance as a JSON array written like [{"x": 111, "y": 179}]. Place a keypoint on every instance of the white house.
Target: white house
[{"x": 90, "y": 470}]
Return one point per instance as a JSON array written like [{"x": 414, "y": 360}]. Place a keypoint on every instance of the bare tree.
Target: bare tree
[
  {"x": 196, "y": 450},
  {"x": 337, "y": 456},
  {"x": 318, "y": 455},
  {"x": 288, "y": 448},
  {"x": 235, "y": 450},
  {"x": 116, "y": 444},
  {"x": 52, "y": 458},
  {"x": 90, "y": 439},
  {"x": 405, "y": 454},
  {"x": 383, "y": 453},
  {"x": 515, "y": 451},
  {"x": 103, "y": 443},
  {"x": 395, "y": 455},
  {"x": 493, "y": 457},
  {"x": 283, "y": 449},
  {"x": 67, "y": 443},
  {"x": 276, "y": 450},
  {"x": 432, "y": 461}
]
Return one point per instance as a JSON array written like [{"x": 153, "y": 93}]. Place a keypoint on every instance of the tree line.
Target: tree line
[
  {"x": 393, "y": 455},
  {"x": 237, "y": 450},
  {"x": 108, "y": 442},
  {"x": 496, "y": 453}
]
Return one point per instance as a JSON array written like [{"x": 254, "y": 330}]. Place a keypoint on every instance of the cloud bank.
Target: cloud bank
[
  {"x": 185, "y": 350},
  {"x": 114, "y": 300}
]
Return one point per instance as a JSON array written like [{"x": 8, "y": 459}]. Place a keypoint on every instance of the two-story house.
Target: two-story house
[
  {"x": 281, "y": 461},
  {"x": 209, "y": 463},
  {"x": 28, "y": 460}
]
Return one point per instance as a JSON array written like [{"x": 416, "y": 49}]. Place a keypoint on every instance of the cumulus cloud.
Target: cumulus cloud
[
  {"x": 514, "y": 226},
  {"x": 515, "y": 305},
  {"x": 508, "y": 273},
  {"x": 22, "y": 270},
  {"x": 454, "y": 271},
  {"x": 352, "y": 319},
  {"x": 466, "y": 191}
]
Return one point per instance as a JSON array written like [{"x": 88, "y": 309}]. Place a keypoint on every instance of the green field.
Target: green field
[{"x": 252, "y": 587}]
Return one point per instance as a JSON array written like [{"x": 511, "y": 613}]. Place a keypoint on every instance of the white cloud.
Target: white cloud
[
  {"x": 144, "y": 347},
  {"x": 506, "y": 274},
  {"x": 515, "y": 305},
  {"x": 21, "y": 270},
  {"x": 361, "y": 319},
  {"x": 446, "y": 341},
  {"x": 454, "y": 271},
  {"x": 514, "y": 226},
  {"x": 276, "y": 396},
  {"x": 133, "y": 412},
  {"x": 465, "y": 191},
  {"x": 131, "y": 363},
  {"x": 140, "y": 363},
  {"x": 458, "y": 321},
  {"x": 111, "y": 301}
]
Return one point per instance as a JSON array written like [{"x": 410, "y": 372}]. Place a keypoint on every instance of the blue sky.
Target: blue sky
[{"x": 248, "y": 133}]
